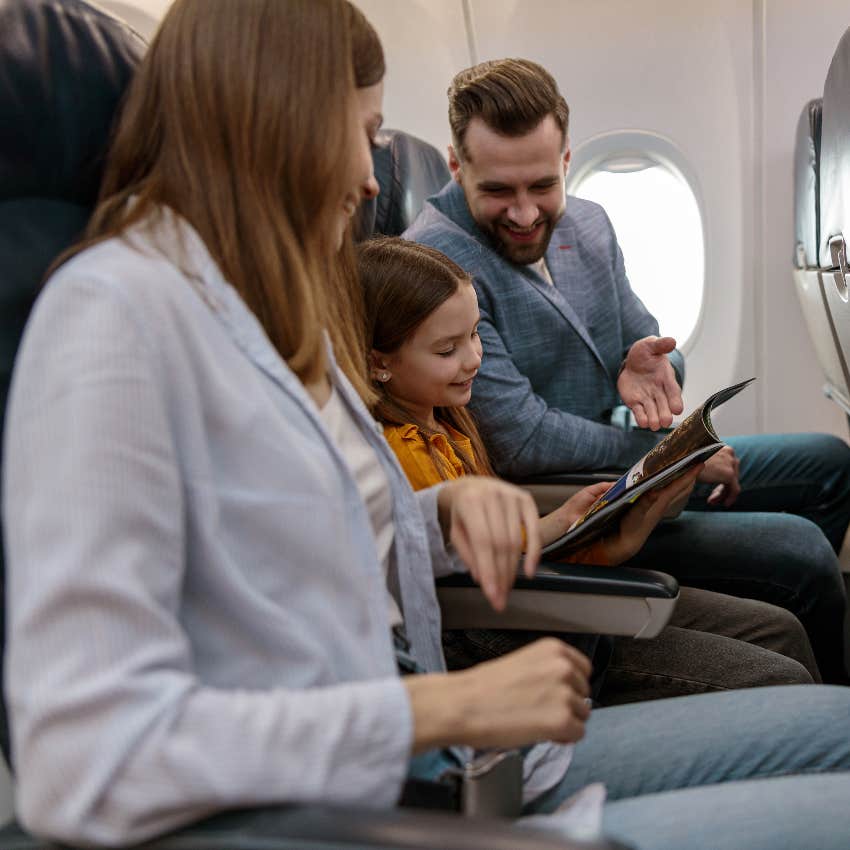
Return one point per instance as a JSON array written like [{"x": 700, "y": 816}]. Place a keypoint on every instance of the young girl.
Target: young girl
[{"x": 422, "y": 318}]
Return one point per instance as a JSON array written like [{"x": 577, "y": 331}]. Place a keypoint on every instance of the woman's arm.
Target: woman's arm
[
  {"x": 537, "y": 693},
  {"x": 115, "y": 736},
  {"x": 494, "y": 527}
]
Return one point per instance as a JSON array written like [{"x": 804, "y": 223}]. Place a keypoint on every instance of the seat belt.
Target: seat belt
[{"x": 487, "y": 785}]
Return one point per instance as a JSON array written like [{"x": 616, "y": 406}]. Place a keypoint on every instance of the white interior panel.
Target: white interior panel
[
  {"x": 143, "y": 15},
  {"x": 683, "y": 71},
  {"x": 723, "y": 81},
  {"x": 800, "y": 39},
  {"x": 425, "y": 44}
]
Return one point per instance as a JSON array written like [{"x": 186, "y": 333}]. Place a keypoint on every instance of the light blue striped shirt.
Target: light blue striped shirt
[{"x": 196, "y": 609}]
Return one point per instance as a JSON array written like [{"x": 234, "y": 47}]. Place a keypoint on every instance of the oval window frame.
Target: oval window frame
[{"x": 586, "y": 157}]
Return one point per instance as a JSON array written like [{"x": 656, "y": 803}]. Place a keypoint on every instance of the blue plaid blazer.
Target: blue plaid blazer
[{"x": 547, "y": 384}]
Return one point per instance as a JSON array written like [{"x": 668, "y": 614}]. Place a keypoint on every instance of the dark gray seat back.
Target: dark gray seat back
[
  {"x": 409, "y": 171},
  {"x": 64, "y": 67}
]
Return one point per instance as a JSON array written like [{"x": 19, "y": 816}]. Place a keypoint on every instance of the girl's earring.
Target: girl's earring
[{"x": 384, "y": 376}]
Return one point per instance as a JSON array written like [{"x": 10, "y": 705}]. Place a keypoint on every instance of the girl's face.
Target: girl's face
[
  {"x": 435, "y": 366},
  {"x": 368, "y": 103}
]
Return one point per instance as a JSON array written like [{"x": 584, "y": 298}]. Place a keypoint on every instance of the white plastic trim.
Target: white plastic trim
[{"x": 589, "y": 154}]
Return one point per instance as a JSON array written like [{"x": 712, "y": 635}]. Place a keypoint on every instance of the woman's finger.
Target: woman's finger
[
  {"x": 533, "y": 543},
  {"x": 506, "y": 544}
]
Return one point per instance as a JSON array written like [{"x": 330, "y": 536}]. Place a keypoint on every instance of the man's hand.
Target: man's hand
[
  {"x": 489, "y": 522},
  {"x": 722, "y": 469},
  {"x": 647, "y": 382}
]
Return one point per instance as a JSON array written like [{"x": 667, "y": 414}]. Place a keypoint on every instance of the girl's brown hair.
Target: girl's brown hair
[
  {"x": 235, "y": 120},
  {"x": 403, "y": 283}
]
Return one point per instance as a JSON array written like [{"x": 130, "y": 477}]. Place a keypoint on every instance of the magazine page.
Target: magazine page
[
  {"x": 608, "y": 511},
  {"x": 693, "y": 441}
]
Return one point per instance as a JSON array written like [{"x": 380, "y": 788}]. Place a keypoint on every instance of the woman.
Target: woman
[{"x": 199, "y": 616}]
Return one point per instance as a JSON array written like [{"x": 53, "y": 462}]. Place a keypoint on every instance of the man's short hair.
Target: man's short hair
[{"x": 511, "y": 96}]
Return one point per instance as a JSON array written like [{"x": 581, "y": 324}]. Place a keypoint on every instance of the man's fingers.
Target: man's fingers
[
  {"x": 665, "y": 417},
  {"x": 716, "y": 495},
  {"x": 651, "y": 415},
  {"x": 674, "y": 393},
  {"x": 640, "y": 415},
  {"x": 733, "y": 491},
  {"x": 662, "y": 345}
]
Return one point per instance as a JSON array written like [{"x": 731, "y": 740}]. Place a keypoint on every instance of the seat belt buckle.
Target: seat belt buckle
[{"x": 491, "y": 785}]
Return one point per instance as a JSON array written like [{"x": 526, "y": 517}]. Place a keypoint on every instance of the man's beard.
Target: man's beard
[{"x": 522, "y": 255}]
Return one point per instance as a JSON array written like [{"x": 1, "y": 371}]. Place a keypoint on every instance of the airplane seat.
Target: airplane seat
[
  {"x": 408, "y": 171},
  {"x": 834, "y": 197},
  {"x": 814, "y": 296},
  {"x": 64, "y": 66},
  {"x": 58, "y": 95}
]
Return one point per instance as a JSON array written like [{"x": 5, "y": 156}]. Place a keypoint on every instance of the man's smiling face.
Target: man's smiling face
[{"x": 514, "y": 185}]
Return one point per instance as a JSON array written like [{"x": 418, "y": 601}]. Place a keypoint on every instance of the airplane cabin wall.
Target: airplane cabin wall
[{"x": 724, "y": 82}]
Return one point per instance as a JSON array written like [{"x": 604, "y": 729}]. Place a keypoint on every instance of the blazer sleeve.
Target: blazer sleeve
[
  {"x": 115, "y": 737},
  {"x": 525, "y": 436}
]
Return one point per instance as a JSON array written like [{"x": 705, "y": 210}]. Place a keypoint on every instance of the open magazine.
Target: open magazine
[{"x": 692, "y": 442}]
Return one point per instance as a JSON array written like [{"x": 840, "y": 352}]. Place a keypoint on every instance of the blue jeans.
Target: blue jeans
[
  {"x": 803, "y": 474},
  {"x": 737, "y": 770},
  {"x": 757, "y": 550}
]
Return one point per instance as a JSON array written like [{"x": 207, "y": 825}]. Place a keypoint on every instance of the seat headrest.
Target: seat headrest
[
  {"x": 64, "y": 67},
  {"x": 409, "y": 171},
  {"x": 807, "y": 185},
  {"x": 835, "y": 152}
]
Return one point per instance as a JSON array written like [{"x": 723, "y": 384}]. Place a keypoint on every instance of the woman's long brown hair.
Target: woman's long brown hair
[
  {"x": 239, "y": 119},
  {"x": 403, "y": 283}
]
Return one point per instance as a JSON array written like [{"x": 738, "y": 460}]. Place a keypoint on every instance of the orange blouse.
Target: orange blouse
[{"x": 408, "y": 443}]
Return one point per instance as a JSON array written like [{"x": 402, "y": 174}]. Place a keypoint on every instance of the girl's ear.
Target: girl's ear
[{"x": 378, "y": 368}]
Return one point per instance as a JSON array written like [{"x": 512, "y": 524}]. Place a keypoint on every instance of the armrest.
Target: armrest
[
  {"x": 551, "y": 491},
  {"x": 567, "y": 598},
  {"x": 326, "y": 828}
]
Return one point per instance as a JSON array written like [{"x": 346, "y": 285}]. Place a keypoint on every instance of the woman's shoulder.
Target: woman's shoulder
[{"x": 145, "y": 252}]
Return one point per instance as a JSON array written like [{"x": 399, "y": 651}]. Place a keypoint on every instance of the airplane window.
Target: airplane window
[{"x": 657, "y": 221}]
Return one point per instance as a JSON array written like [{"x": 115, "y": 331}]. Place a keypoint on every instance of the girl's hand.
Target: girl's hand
[
  {"x": 644, "y": 515},
  {"x": 559, "y": 522},
  {"x": 537, "y": 693},
  {"x": 637, "y": 523},
  {"x": 489, "y": 523}
]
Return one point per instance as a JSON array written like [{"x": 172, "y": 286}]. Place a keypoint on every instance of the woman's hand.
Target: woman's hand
[
  {"x": 490, "y": 522},
  {"x": 537, "y": 693}
]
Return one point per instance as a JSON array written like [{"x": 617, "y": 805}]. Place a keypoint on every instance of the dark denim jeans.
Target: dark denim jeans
[{"x": 777, "y": 543}]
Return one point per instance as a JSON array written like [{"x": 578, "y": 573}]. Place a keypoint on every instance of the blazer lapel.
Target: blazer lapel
[
  {"x": 561, "y": 257},
  {"x": 562, "y": 262}
]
